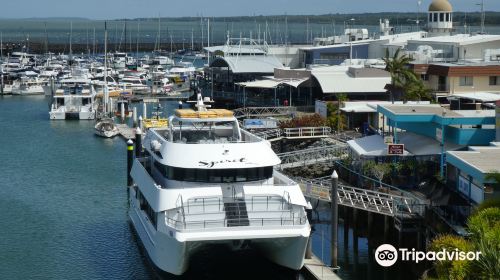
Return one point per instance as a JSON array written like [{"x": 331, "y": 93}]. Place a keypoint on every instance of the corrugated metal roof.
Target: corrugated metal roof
[
  {"x": 251, "y": 63},
  {"x": 479, "y": 96},
  {"x": 273, "y": 83},
  {"x": 341, "y": 82}
]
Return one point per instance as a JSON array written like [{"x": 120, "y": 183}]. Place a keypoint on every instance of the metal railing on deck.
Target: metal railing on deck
[{"x": 198, "y": 213}]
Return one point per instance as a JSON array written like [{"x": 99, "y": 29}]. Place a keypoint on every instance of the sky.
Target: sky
[{"x": 113, "y": 9}]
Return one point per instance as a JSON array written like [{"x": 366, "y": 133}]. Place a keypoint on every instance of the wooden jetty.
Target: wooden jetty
[{"x": 316, "y": 269}]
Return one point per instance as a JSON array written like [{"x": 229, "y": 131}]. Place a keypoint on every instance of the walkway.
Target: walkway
[
  {"x": 389, "y": 202},
  {"x": 311, "y": 156},
  {"x": 261, "y": 112},
  {"x": 295, "y": 133}
]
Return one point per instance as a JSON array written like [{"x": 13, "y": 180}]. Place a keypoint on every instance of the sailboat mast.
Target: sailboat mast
[
  {"x": 70, "y": 42},
  {"x": 137, "y": 45},
  {"x": 105, "y": 68}
]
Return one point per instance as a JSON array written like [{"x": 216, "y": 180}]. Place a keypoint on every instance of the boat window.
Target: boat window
[
  {"x": 229, "y": 175},
  {"x": 144, "y": 205}
]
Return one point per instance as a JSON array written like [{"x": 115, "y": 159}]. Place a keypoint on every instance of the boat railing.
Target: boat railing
[
  {"x": 224, "y": 223},
  {"x": 251, "y": 211}
]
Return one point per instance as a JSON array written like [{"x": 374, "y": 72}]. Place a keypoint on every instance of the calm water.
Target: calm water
[
  {"x": 63, "y": 208},
  {"x": 82, "y": 31}
]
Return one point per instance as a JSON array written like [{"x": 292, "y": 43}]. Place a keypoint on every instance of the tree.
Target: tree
[
  {"x": 397, "y": 66},
  {"x": 335, "y": 119},
  {"x": 415, "y": 90}
]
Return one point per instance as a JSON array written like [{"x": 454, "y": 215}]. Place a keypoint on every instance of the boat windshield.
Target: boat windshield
[{"x": 205, "y": 132}]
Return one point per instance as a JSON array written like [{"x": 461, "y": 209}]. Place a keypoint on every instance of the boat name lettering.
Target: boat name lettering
[{"x": 211, "y": 164}]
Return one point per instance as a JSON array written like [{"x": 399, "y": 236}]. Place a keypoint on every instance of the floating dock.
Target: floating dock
[
  {"x": 126, "y": 131},
  {"x": 316, "y": 269}
]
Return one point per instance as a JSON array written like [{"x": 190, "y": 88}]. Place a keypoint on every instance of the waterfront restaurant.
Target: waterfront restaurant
[{"x": 428, "y": 131}]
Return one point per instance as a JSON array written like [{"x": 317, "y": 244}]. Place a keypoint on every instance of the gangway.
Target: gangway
[
  {"x": 295, "y": 133},
  {"x": 311, "y": 156},
  {"x": 261, "y": 112},
  {"x": 390, "y": 202}
]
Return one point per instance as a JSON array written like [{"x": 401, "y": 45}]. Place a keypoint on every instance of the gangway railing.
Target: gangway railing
[
  {"x": 249, "y": 112},
  {"x": 311, "y": 156},
  {"x": 386, "y": 202}
]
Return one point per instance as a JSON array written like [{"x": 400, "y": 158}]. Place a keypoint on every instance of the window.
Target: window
[
  {"x": 448, "y": 17},
  {"x": 441, "y": 17},
  {"x": 430, "y": 17},
  {"x": 466, "y": 81},
  {"x": 144, "y": 204},
  {"x": 215, "y": 175},
  {"x": 435, "y": 17},
  {"x": 494, "y": 80},
  {"x": 424, "y": 77}
]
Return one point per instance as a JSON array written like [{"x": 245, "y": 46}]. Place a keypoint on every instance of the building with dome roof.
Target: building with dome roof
[{"x": 440, "y": 18}]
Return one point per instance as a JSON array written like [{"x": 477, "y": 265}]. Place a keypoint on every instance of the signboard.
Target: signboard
[
  {"x": 395, "y": 149},
  {"x": 439, "y": 134},
  {"x": 388, "y": 140}
]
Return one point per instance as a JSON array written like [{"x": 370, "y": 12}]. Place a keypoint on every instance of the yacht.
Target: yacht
[
  {"x": 106, "y": 128},
  {"x": 76, "y": 99},
  {"x": 203, "y": 181},
  {"x": 28, "y": 86}
]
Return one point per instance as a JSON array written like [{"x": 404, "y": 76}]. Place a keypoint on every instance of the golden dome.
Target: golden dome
[{"x": 440, "y": 6}]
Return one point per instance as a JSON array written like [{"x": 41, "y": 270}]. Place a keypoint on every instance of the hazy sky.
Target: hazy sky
[{"x": 111, "y": 9}]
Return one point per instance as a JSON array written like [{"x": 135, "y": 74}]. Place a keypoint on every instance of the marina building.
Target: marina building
[{"x": 467, "y": 171}]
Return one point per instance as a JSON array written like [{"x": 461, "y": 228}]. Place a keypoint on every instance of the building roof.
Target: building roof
[
  {"x": 440, "y": 6},
  {"x": 273, "y": 83},
  {"x": 428, "y": 109},
  {"x": 483, "y": 159},
  {"x": 479, "y": 96},
  {"x": 461, "y": 39},
  {"x": 369, "y": 106},
  {"x": 248, "y": 63},
  {"x": 415, "y": 144},
  {"x": 336, "y": 79},
  {"x": 235, "y": 50}
]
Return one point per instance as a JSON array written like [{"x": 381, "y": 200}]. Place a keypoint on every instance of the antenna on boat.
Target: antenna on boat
[{"x": 200, "y": 102}]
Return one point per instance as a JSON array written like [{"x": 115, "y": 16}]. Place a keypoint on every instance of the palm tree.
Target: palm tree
[
  {"x": 415, "y": 90},
  {"x": 400, "y": 73}
]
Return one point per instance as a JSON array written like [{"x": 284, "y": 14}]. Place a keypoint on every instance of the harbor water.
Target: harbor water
[{"x": 63, "y": 205}]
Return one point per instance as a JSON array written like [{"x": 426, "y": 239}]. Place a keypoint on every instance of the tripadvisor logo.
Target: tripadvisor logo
[{"x": 386, "y": 255}]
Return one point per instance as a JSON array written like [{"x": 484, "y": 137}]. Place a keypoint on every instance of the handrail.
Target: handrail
[{"x": 370, "y": 200}]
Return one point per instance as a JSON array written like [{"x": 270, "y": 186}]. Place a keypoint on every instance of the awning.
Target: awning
[
  {"x": 372, "y": 146},
  {"x": 419, "y": 145},
  {"x": 272, "y": 83},
  {"x": 479, "y": 96}
]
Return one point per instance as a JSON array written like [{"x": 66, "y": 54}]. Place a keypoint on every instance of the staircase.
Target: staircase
[{"x": 236, "y": 213}]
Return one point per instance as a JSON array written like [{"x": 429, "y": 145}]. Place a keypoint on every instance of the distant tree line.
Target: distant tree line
[{"x": 492, "y": 18}]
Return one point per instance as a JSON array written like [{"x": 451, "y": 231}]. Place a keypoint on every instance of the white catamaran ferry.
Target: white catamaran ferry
[{"x": 203, "y": 181}]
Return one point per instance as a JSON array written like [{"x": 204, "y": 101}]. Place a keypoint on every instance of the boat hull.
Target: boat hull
[{"x": 171, "y": 252}]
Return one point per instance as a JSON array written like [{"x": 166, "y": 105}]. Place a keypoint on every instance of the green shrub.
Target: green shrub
[{"x": 453, "y": 270}]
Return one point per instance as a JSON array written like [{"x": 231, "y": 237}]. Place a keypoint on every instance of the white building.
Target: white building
[{"x": 440, "y": 18}]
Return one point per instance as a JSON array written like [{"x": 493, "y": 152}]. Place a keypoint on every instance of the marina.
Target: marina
[{"x": 281, "y": 153}]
